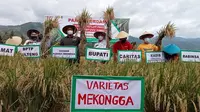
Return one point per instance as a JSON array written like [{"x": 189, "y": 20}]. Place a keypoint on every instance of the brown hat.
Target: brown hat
[
  {"x": 146, "y": 34},
  {"x": 96, "y": 34},
  {"x": 69, "y": 26},
  {"x": 31, "y": 31}
]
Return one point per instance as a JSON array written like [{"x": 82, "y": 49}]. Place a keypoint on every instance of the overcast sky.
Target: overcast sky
[{"x": 144, "y": 15}]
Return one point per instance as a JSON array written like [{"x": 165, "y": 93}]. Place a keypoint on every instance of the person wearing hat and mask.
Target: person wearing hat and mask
[
  {"x": 101, "y": 39},
  {"x": 34, "y": 37},
  {"x": 171, "y": 52},
  {"x": 122, "y": 44},
  {"x": 71, "y": 40},
  {"x": 146, "y": 46}
]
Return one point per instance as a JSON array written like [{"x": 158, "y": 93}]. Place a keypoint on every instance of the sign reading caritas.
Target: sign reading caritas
[{"x": 107, "y": 94}]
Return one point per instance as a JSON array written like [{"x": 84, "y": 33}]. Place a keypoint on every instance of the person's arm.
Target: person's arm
[
  {"x": 130, "y": 47},
  {"x": 115, "y": 53},
  {"x": 61, "y": 42}
]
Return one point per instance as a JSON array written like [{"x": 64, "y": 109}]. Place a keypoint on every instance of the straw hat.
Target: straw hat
[
  {"x": 146, "y": 34},
  {"x": 96, "y": 34},
  {"x": 31, "y": 31},
  {"x": 69, "y": 26},
  {"x": 15, "y": 40},
  {"x": 122, "y": 34}
]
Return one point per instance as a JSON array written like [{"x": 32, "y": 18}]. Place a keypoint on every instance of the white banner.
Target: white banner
[
  {"x": 101, "y": 93},
  {"x": 98, "y": 54},
  {"x": 124, "y": 56},
  {"x": 7, "y": 50},
  {"x": 29, "y": 51},
  {"x": 153, "y": 57},
  {"x": 190, "y": 56},
  {"x": 64, "y": 52}
]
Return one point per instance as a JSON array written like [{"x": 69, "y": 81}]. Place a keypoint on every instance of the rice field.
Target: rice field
[{"x": 44, "y": 85}]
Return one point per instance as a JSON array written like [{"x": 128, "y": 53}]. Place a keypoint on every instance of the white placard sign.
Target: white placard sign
[
  {"x": 124, "y": 55},
  {"x": 107, "y": 94},
  {"x": 190, "y": 56},
  {"x": 154, "y": 57},
  {"x": 98, "y": 54},
  {"x": 7, "y": 50},
  {"x": 64, "y": 52},
  {"x": 29, "y": 50}
]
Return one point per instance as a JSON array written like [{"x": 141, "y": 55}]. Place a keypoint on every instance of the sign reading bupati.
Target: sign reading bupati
[
  {"x": 7, "y": 50},
  {"x": 153, "y": 57},
  {"x": 64, "y": 52},
  {"x": 190, "y": 56},
  {"x": 29, "y": 50},
  {"x": 107, "y": 94},
  {"x": 98, "y": 54},
  {"x": 134, "y": 56}
]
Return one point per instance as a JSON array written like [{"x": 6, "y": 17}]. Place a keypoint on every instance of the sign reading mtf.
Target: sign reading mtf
[
  {"x": 64, "y": 52},
  {"x": 98, "y": 54},
  {"x": 7, "y": 50},
  {"x": 153, "y": 57},
  {"x": 107, "y": 94},
  {"x": 30, "y": 50},
  {"x": 134, "y": 56},
  {"x": 190, "y": 56}
]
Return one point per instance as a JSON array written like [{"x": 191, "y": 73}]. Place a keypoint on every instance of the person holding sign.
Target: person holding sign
[
  {"x": 171, "y": 52},
  {"x": 101, "y": 39},
  {"x": 71, "y": 40},
  {"x": 122, "y": 44},
  {"x": 146, "y": 45},
  {"x": 34, "y": 37}
]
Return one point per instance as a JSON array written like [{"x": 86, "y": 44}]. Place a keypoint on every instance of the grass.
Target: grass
[{"x": 37, "y": 85}]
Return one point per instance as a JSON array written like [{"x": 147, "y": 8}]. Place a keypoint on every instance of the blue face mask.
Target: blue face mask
[{"x": 147, "y": 40}]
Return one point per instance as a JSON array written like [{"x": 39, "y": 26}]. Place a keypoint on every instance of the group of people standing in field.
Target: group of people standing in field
[{"x": 171, "y": 52}]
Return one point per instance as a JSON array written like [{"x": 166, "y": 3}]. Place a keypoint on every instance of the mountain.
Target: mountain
[
  {"x": 20, "y": 30},
  {"x": 183, "y": 43}
]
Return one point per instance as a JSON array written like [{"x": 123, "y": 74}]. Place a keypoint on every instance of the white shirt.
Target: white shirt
[{"x": 101, "y": 44}]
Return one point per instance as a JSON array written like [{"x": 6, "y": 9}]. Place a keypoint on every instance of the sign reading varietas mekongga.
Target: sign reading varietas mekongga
[{"x": 107, "y": 94}]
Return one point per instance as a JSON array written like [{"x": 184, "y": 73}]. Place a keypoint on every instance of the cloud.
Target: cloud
[{"x": 144, "y": 14}]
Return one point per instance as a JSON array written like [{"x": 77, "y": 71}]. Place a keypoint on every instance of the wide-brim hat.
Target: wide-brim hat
[
  {"x": 96, "y": 34},
  {"x": 122, "y": 35},
  {"x": 69, "y": 26},
  {"x": 31, "y": 31},
  {"x": 15, "y": 40},
  {"x": 146, "y": 35},
  {"x": 171, "y": 49}
]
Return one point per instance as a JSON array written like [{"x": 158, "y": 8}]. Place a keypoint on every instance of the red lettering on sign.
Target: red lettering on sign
[
  {"x": 95, "y": 85},
  {"x": 96, "y": 99},
  {"x": 89, "y": 85},
  {"x": 102, "y": 85},
  {"x": 81, "y": 98},
  {"x": 126, "y": 86},
  {"x": 129, "y": 100}
]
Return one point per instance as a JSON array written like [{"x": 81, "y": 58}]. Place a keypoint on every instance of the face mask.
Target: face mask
[
  {"x": 100, "y": 37},
  {"x": 123, "y": 40},
  {"x": 147, "y": 40},
  {"x": 34, "y": 38},
  {"x": 70, "y": 32}
]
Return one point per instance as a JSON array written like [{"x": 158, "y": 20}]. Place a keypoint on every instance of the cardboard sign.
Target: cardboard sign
[
  {"x": 190, "y": 56},
  {"x": 154, "y": 57},
  {"x": 64, "y": 52},
  {"x": 98, "y": 54},
  {"x": 29, "y": 50},
  {"x": 133, "y": 56},
  {"x": 107, "y": 94},
  {"x": 7, "y": 50},
  {"x": 95, "y": 24}
]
